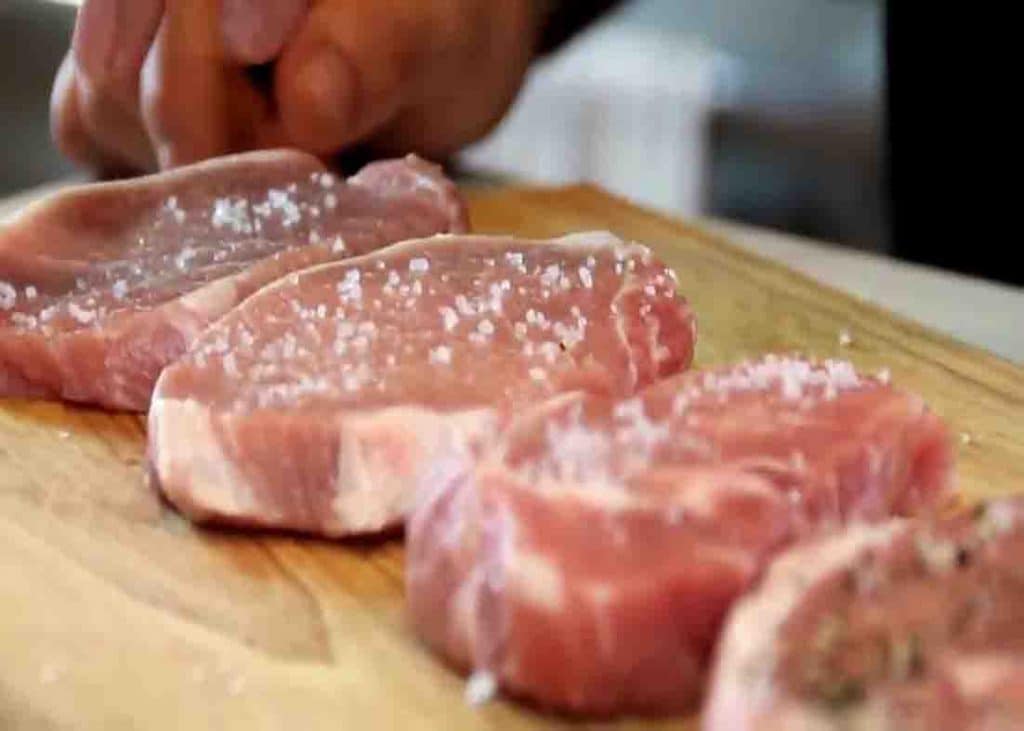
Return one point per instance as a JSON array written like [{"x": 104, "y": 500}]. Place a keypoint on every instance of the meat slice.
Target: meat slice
[
  {"x": 586, "y": 560},
  {"x": 319, "y": 403},
  {"x": 907, "y": 625},
  {"x": 103, "y": 285}
]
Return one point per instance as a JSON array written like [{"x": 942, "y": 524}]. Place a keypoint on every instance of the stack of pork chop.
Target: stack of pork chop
[
  {"x": 337, "y": 357},
  {"x": 102, "y": 286}
]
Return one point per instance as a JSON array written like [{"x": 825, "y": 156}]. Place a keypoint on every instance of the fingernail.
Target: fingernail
[
  {"x": 255, "y": 31},
  {"x": 321, "y": 113}
]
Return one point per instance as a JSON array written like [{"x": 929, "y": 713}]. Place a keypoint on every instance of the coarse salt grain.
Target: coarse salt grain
[
  {"x": 81, "y": 315},
  {"x": 183, "y": 259},
  {"x": 350, "y": 382},
  {"x": 462, "y": 305},
  {"x": 485, "y": 327},
  {"x": 441, "y": 355},
  {"x": 120, "y": 289},
  {"x": 449, "y": 318},
  {"x": 350, "y": 288},
  {"x": 8, "y": 296},
  {"x": 586, "y": 277},
  {"x": 232, "y": 214},
  {"x": 30, "y": 292},
  {"x": 481, "y": 688},
  {"x": 419, "y": 265},
  {"x": 845, "y": 338}
]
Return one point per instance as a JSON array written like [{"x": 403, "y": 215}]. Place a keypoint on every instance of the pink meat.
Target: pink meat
[
  {"x": 319, "y": 403},
  {"x": 104, "y": 285},
  {"x": 586, "y": 560},
  {"x": 902, "y": 626}
]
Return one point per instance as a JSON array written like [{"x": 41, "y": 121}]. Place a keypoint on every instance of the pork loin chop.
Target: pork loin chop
[
  {"x": 586, "y": 560},
  {"x": 318, "y": 404},
  {"x": 908, "y": 626},
  {"x": 103, "y": 285}
]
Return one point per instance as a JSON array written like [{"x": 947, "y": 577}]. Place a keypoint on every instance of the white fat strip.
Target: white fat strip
[
  {"x": 593, "y": 240},
  {"x": 619, "y": 320},
  {"x": 374, "y": 489},
  {"x": 746, "y": 661},
  {"x": 977, "y": 675},
  {"x": 194, "y": 472},
  {"x": 535, "y": 579}
]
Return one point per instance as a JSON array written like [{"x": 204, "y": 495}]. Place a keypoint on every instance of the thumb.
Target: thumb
[{"x": 349, "y": 70}]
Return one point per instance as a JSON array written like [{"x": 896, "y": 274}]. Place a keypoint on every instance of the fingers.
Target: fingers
[
  {"x": 149, "y": 79},
  {"x": 183, "y": 85},
  {"x": 66, "y": 126},
  {"x": 349, "y": 69},
  {"x": 110, "y": 42},
  {"x": 255, "y": 31}
]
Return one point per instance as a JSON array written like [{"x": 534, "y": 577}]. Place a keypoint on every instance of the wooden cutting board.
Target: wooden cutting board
[{"x": 116, "y": 613}]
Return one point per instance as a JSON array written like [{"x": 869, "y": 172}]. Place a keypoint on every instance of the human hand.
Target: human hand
[{"x": 161, "y": 83}]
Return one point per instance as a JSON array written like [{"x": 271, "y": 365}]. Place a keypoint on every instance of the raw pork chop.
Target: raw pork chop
[
  {"x": 585, "y": 561},
  {"x": 906, "y": 626},
  {"x": 102, "y": 286},
  {"x": 317, "y": 404}
]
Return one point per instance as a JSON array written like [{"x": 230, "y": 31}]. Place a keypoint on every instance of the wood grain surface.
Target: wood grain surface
[{"x": 116, "y": 613}]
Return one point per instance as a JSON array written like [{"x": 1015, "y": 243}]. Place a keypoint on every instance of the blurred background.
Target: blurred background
[{"x": 761, "y": 111}]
